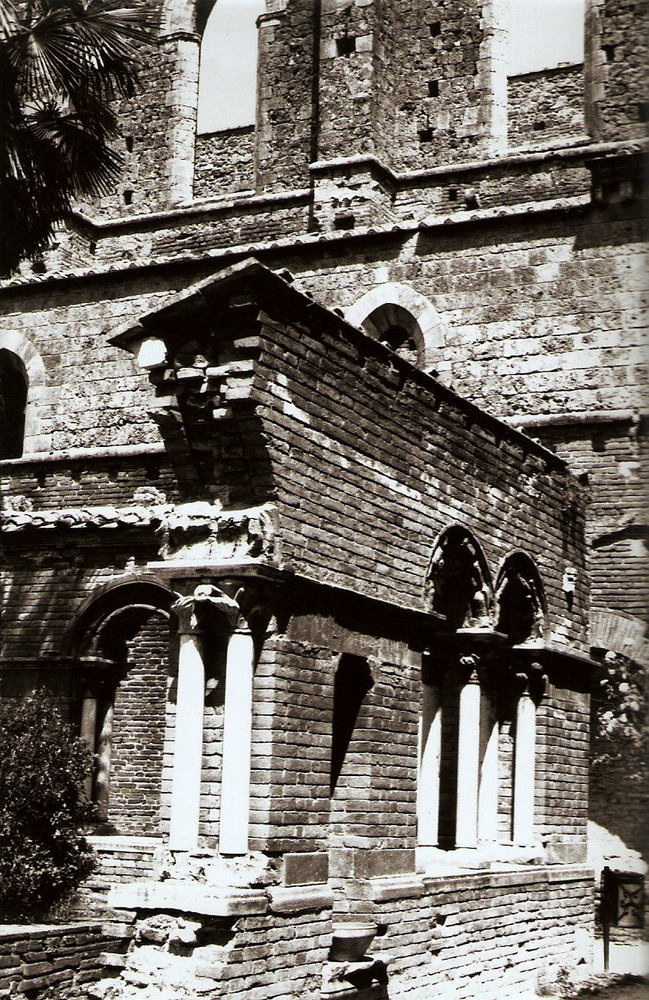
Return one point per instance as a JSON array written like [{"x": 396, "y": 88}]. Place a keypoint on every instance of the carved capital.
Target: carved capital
[
  {"x": 471, "y": 668},
  {"x": 205, "y": 597}
]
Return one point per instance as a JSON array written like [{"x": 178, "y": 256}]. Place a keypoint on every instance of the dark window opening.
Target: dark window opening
[
  {"x": 13, "y": 400},
  {"x": 433, "y": 88},
  {"x": 643, "y": 111},
  {"x": 346, "y": 45},
  {"x": 426, "y": 135},
  {"x": 399, "y": 340},
  {"x": 452, "y": 194},
  {"x": 435, "y": 28},
  {"x": 353, "y": 681},
  {"x": 609, "y": 51}
]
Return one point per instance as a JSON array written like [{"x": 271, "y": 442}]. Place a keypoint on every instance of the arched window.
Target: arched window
[
  {"x": 228, "y": 70},
  {"x": 404, "y": 321},
  {"x": 458, "y": 584},
  {"x": 520, "y": 599},
  {"x": 13, "y": 400}
]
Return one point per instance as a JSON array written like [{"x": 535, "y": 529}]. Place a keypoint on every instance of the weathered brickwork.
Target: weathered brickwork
[
  {"x": 52, "y": 963},
  {"x": 138, "y": 726}
]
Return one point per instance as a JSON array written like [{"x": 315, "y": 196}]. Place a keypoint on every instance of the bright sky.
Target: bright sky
[
  {"x": 543, "y": 33},
  {"x": 229, "y": 56}
]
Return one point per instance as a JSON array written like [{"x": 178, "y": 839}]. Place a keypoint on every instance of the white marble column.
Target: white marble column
[
  {"x": 237, "y": 743},
  {"x": 488, "y": 790},
  {"x": 524, "y": 762},
  {"x": 188, "y": 738},
  {"x": 468, "y": 763},
  {"x": 430, "y": 749}
]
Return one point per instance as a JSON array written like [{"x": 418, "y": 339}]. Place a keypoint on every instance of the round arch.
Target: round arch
[
  {"x": 119, "y": 639},
  {"x": 109, "y": 602},
  {"x": 392, "y": 307},
  {"x": 28, "y": 362},
  {"x": 458, "y": 581},
  {"x": 521, "y": 607}
]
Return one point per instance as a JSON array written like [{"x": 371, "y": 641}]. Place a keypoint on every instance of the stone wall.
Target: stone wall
[
  {"x": 545, "y": 106},
  {"x": 224, "y": 162}
]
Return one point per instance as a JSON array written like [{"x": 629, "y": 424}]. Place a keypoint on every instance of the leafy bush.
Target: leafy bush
[{"x": 42, "y": 770}]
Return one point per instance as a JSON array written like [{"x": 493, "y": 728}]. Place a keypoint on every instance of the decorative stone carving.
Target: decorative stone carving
[
  {"x": 458, "y": 586},
  {"x": 205, "y": 596}
]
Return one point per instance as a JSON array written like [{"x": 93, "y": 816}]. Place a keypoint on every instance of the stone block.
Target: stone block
[{"x": 305, "y": 869}]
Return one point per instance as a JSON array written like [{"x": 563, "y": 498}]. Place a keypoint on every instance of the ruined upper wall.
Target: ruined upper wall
[{"x": 415, "y": 84}]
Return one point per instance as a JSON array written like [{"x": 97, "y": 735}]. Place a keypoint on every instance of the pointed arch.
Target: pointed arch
[
  {"x": 227, "y": 82},
  {"x": 404, "y": 319},
  {"x": 458, "y": 582},
  {"x": 521, "y": 607}
]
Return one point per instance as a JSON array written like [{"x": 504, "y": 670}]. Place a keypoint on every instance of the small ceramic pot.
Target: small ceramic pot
[{"x": 351, "y": 941}]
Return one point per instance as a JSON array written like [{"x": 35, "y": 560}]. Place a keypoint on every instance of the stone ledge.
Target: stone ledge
[
  {"x": 194, "y": 898},
  {"x": 300, "y": 899},
  {"x": 384, "y": 889}
]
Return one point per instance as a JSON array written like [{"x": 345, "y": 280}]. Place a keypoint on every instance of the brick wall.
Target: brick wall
[
  {"x": 545, "y": 105},
  {"x": 613, "y": 455},
  {"x": 365, "y": 474},
  {"x": 487, "y": 935},
  {"x": 561, "y": 794},
  {"x": 51, "y": 963},
  {"x": 138, "y": 732}
]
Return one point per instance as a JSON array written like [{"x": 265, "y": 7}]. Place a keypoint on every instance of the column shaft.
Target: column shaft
[
  {"x": 524, "y": 754},
  {"x": 188, "y": 746},
  {"x": 430, "y": 747},
  {"x": 488, "y": 792},
  {"x": 89, "y": 736},
  {"x": 468, "y": 763},
  {"x": 237, "y": 742}
]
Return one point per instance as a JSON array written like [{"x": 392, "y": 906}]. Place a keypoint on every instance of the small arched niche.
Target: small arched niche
[
  {"x": 458, "y": 584},
  {"x": 14, "y": 386},
  {"x": 520, "y": 602},
  {"x": 403, "y": 320}
]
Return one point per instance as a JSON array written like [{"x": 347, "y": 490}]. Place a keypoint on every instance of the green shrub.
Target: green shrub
[{"x": 42, "y": 770}]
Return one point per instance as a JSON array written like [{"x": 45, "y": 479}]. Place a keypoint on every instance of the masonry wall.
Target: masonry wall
[
  {"x": 561, "y": 793},
  {"x": 369, "y": 470},
  {"x": 544, "y": 106},
  {"x": 138, "y": 733},
  {"x": 224, "y": 162},
  {"x": 51, "y": 963},
  {"x": 613, "y": 455}
]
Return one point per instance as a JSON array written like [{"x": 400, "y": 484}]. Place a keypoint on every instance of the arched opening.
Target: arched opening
[
  {"x": 121, "y": 641},
  {"x": 520, "y": 599},
  {"x": 458, "y": 583},
  {"x": 405, "y": 321},
  {"x": 227, "y": 85},
  {"x": 14, "y": 386}
]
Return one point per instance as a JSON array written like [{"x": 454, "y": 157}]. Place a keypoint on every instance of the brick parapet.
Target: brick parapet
[{"x": 52, "y": 962}]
